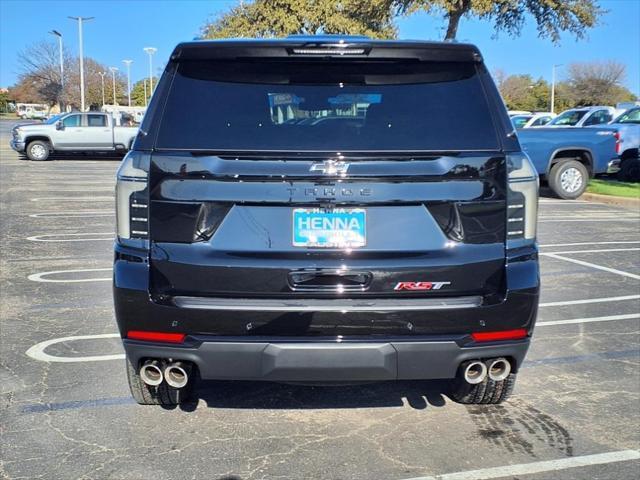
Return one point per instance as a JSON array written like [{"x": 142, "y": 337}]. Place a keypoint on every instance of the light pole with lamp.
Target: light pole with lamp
[
  {"x": 150, "y": 51},
  {"x": 553, "y": 86},
  {"x": 144, "y": 82},
  {"x": 80, "y": 20},
  {"x": 102, "y": 74},
  {"x": 128, "y": 64},
  {"x": 59, "y": 35},
  {"x": 113, "y": 78}
]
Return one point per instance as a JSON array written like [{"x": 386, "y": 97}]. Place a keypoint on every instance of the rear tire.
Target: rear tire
[
  {"x": 487, "y": 392},
  {"x": 163, "y": 394},
  {"x": 38, "y": 150},
  {"x": 568, "y": 179}
]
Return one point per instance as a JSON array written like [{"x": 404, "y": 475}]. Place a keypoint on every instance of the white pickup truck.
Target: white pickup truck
[{"x": 72, "y": 132}]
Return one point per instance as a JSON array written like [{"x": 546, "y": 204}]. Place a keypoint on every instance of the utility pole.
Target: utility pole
[
  {"x": 128, "y": 64},
  {"x": 553, "y": 86},
  {"x": 102, "y": 74},
  {"x": 80, "y": 20},
  {"x": 150, "y": 51},
  {"x": 113, "y": 77}
]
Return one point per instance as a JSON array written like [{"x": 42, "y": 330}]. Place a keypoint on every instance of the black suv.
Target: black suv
[{"x": 326, "y": 209}]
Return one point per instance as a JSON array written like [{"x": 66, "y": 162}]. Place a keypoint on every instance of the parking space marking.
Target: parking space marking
[
  {"x": 83, "y": 237},
  {"x": 590, "y": 300},
  {"x": 538, "y": 467},
  {"x": 601, "y": 250},
  {"x": 77, "y": 213},
  {"x": 74, "y": 199},
  {"x": 37, "y": 352},
  {"x": 622, "y": 242},
  {"x": 39, "y": 277},
  {"x": 591, "y": 265},
  {"x": 606, "y": 318},
  {"x": 612, "y": 219}
]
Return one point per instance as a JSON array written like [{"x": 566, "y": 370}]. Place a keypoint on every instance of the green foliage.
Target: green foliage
[
  {"x": 137, "y": 92},
  {"x": 279, "y": 18},
  {"x": 552, "y": 17},
  {"x": 610, "y": 187},
  {"x": 4, "y": 102}
]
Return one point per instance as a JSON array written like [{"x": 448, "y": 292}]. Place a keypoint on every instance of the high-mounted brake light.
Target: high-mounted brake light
[
  {"x": 156, "y": 336},
  {"x": 328, "y": 51},
  {"x": 517, "y": 334}
]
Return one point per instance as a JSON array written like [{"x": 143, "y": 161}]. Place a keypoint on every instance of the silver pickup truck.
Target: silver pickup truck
[{"x": 72, "y": 132}]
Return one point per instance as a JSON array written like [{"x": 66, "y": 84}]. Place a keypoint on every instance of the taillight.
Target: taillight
[
  {"x": 618, "y": 138},
  {"x": 156, "y": 336},
  {"x": 516, "y": 334},
  {"x": 522, "y": 200},
  {"x": 132, "y": 200}
]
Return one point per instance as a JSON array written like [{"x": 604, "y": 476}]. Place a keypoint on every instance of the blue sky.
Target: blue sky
[{"x": 122, "y": 28}]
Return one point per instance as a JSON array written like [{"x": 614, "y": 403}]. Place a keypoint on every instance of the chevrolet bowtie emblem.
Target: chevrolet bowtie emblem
[{"x": 330, "y": 167}]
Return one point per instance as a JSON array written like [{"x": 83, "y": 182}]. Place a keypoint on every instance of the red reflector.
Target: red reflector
[
  {"x": 503, "y": 335},
  {"x": 156, "y": 336}
]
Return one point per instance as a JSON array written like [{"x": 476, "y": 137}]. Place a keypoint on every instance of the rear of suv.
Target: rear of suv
[{"x": 325, "y": 210}]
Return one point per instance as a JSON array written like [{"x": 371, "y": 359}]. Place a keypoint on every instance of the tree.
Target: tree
[
  {"x": 521, "y": 92},
  {"x": 278, "y": 18},
  {"x": 137, "y": 92},
  {"x": 551, "y": 16},
  {"x": 40, "y": 69},
  {"x": 598, "y": 83}
]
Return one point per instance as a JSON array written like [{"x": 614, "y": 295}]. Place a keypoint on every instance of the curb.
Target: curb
[{"x": 625, "y": 202}]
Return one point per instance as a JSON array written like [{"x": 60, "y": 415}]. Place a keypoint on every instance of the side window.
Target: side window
[
  {"x": 96, "y": 120},
  {"x": 71, "y": 121},
  {"x": 598, "y": 118},
  {"x": 541, "y": 121}
]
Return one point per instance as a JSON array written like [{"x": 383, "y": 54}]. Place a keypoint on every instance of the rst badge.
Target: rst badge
[{"x": 414, "y": 286}]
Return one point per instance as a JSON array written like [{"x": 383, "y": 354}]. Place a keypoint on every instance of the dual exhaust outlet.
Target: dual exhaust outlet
[
  {"x": 176, "y": 374},
  {"x": 475, "y": 371}
]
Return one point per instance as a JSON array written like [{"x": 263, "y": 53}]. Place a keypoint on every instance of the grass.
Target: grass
[{"x": 613, "y": 187}]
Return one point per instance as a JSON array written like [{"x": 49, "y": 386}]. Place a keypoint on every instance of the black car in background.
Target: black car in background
[{"x": 326, "y": 209}]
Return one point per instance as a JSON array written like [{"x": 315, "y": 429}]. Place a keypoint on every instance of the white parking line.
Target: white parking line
[
  {"x": 612, "y": 219},
  {"x": 623, "y": 242},
  {"x": 77, "y": 213},
  {"x": 607, "y": 318},
  {"x": 601, "y": 250},
  {"x": 37, "y": 351},
  {"x": 591, "y": 265},
  {"x": 73, "y": 199},
  {"x": 41, "y": 238},
  {"x": 590, "y": 300},
  {"x": 39, "y": 277},
  {"x": 566, "y": 202},
  {"x": 539, "y": 467}
]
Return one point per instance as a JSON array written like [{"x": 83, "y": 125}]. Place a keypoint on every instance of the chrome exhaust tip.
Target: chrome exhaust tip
[
  {"x": 177, "y": 374},
  {"x": 498, "y": 369},
  {"x": 474, "y": 372},
  {"x": 151, "y": 373}
]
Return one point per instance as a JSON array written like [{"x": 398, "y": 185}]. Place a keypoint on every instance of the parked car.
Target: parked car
[
  {"x": 584, "y": 117},
  {"x": 380, "y": 244},
  {"x": 567, "y": 157},
  {"x": 538, "y": 119},
  {"x": 31, "y": 111},
  {"x": 628, "y": 128},
  {"x": 77, "y": 132},
  {"x": 513, "y": 113}
]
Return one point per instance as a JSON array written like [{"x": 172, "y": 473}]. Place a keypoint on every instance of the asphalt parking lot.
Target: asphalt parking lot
[{"x": 66, "y": 412}]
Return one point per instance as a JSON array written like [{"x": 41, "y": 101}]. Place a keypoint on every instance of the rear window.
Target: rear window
[{"x": 326, "y": 106}]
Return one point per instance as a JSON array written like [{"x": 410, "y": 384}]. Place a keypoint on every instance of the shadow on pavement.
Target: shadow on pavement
[{"x": 268, "y": 395}]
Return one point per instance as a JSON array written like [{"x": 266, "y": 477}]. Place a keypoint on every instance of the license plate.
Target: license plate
[{"x": 336, "y": 228}]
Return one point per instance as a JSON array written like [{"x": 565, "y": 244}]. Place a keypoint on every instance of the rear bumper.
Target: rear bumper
[
  {"x": 328, "y": 361},
  {"x": 613, "y": 166}
]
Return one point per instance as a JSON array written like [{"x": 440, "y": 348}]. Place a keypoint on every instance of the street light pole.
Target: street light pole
[
  {"x": 102, "y": 74},
  {"x": 128, "y": 64},
  {"x": 553, "y": 86},
  {"x": 113, "y": 77},
  {"x": 80, "y": 20},
  {"x": 144, "y": 82},
  {"x": 59, "y": 35},
  {"x": 150, "y": 51}
]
